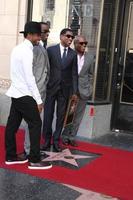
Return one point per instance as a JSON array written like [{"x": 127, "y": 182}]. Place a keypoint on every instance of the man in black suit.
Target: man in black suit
[{"x": 63, "y": 83}]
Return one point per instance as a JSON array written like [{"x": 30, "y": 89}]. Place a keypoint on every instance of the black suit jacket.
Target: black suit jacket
[{"x": 62, "y": 77}]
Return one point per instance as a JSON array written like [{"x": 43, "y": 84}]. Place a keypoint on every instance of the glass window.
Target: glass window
[
  {"x": 126, "y": 94},
  {"x": 50, "y": 4},
  {"x": 106, "y": 52}
]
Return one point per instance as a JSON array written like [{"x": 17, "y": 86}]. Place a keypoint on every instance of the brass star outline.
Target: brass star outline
[{"x": 65, "y": 156}]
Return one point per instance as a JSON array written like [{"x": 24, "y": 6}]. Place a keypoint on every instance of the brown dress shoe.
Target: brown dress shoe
[{"x": 65, "y": 142}]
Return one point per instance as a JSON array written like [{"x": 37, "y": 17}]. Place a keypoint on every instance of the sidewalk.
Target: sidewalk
[
  {"x": 21, "y": 186},
  {"x": 115, "y": 139},
  {"x": 14, "y": 185}
]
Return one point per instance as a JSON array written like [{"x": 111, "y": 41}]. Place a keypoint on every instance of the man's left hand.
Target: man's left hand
[{"x": 74, "y": 97}]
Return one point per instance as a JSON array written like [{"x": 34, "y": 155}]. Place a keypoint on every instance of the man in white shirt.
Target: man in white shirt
[
  {"x": 26, "y": 102},
  {"x": 85, "y": 79}
]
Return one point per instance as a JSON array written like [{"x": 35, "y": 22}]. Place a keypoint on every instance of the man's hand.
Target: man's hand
[
  {"x": 74, "y": 97},
  {"x": 40, "y": 107}
]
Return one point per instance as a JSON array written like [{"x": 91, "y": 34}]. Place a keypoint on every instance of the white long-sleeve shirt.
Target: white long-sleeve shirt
[{"x": 22, "y": 78}]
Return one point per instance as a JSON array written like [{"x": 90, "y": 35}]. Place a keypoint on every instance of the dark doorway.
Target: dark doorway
[{"x": 123, "y": 104}]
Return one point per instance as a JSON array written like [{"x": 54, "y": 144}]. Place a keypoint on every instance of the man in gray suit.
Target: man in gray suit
[
  {"x": 41, "y": 70},
  {"x": 85, "y": 79}
]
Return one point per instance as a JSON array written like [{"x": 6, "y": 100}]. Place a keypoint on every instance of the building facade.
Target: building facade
[{"x": 108, "y": 27}]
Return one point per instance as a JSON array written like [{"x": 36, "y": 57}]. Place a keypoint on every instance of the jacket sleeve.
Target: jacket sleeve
[
  {"x": 91, "y": 70},
  {"x": 75, "y": 75},
  {"x": 29, "y": 76},
  {"x": 41, "y": 69}
]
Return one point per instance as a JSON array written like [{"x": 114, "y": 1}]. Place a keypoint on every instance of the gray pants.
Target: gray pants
[
  {"x": 27, "y": 137},
  {"x": 70, "y": 131}
]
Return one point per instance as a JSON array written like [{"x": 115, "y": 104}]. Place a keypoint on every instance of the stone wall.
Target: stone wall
[{"x": 12, "y": 18}]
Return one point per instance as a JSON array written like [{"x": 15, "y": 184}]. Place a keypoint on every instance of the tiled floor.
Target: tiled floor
[
  {"x": 16, "y": 186},
  {"x": 116, "y": 140}
]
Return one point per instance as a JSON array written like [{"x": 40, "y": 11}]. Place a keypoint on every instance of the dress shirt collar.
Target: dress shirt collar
[
  {"x": 28, "y": 43},
  {"x": 41, "y": 43},
  {"x": 62, "y": 49}
]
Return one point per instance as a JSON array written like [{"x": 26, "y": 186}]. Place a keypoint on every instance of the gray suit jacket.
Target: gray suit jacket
[
  {"x": 85, "y": 81},
  {"x": 41, "y": 69}
]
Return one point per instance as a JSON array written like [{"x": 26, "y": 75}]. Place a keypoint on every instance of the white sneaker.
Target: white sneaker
[
  {"x": 40, "y": 165},
  {"x": 17, "y": 160}
]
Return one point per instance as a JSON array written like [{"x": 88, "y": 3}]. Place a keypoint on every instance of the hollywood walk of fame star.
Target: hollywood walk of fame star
[{"x": 65, "y": 156}]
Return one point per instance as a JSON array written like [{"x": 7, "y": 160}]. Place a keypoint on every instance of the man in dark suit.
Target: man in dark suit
[
  {"x": 85, "y": 79},
  {"x": 63, "y": 82}
]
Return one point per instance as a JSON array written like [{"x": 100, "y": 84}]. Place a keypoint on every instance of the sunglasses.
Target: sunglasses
[
  {"x": 83, "y": 43},
  {"x": 70, "y": 36}
]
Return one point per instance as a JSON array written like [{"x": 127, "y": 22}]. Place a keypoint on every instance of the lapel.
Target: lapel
[
  {"x": 86, "y": 63},
  {"x": 42, "y": 49},
  {"x": 45, "y": 57},
  {"x": 58, "y": 54}
]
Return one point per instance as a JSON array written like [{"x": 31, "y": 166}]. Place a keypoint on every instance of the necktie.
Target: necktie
[
  {"x": 45, "y": 44},
  {"x": 64, "y": 56}
]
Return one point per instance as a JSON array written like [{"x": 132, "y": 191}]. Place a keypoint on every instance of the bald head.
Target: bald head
[
  {"x": 78, "y": 38},
  {"x": 80, "y": 44}
]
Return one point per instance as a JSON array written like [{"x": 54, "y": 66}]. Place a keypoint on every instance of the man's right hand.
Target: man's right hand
[{"x": 40, "y": 107}]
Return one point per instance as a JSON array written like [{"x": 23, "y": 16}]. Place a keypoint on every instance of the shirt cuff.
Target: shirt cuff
[{"x": 39, "y": 101}]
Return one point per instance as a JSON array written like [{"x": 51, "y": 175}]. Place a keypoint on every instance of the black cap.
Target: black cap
[{"x": 32, "y": 27}]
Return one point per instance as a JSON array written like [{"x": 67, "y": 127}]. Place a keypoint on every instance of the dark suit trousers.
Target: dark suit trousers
[
  {"x": 49, "y": 107},
  {"x": 24, "y": 107}
]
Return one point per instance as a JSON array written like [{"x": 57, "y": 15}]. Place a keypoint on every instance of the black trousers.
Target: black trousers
[
  {"x": 49, "y": 108},
  {"x": 24, "y": 107}
]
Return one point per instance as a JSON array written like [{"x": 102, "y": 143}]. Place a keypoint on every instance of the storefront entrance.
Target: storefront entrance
[{"x": 122, "y": 116}]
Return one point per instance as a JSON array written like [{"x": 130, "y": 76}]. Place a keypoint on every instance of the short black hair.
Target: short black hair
[
  {"x": 63, "y": 31},
  {"x": 45, "y": 23}
]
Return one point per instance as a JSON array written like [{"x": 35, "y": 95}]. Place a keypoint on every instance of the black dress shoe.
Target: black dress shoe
[
  {"x": 43, "y": 156},
  {"x": 65, "y": 142},
  {"x": 45, "y": 147},
  {"x": 73, "y": 143},
  {"x": 56, "y": 148}
]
